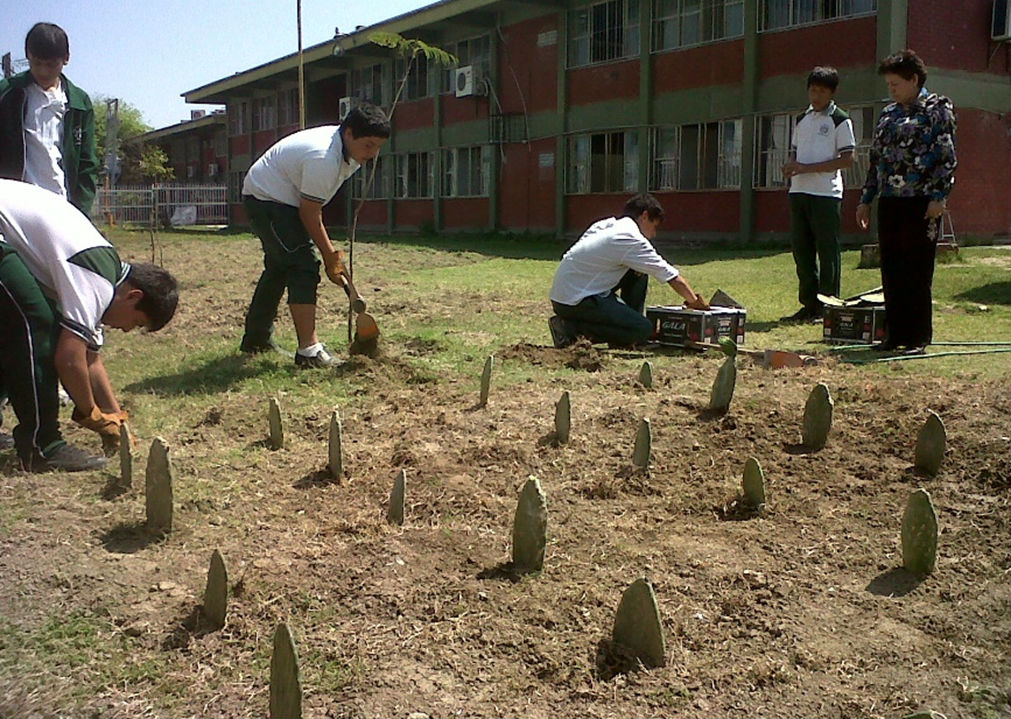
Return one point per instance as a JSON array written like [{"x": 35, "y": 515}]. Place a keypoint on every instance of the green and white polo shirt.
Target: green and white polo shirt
[
  {"x": 308, "y": 164},
  {"x": 73, "y": 264},
  {"x": 820, "y": 137}
]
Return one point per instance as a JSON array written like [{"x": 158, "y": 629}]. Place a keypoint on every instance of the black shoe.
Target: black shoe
[
  {"x": 66, "y": 458},
  {"x": 804, "y": 314},
  {"x": 254, "y": 348},
  {"x": 321, "y": 360},
  {"x": 913, "y": 350},
  {"x": 886, "y": 346},
  {"x": 561, "y": 336}
]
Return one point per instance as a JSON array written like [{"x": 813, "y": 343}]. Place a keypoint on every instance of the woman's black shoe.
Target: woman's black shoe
[{"x": 886, "y": 346}]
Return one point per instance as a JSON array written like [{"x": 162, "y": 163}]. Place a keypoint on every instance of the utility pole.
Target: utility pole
[{"x": 111, "y": 153}]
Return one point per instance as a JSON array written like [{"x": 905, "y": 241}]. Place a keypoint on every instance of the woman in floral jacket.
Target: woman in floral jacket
[{"x": 912, "y": 166}]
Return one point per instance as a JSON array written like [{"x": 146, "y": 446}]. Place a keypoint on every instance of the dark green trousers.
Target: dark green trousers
[
  {"x": 610, "y": 319},
  {"x": 29, "y": 328},
  {"x": 289, "y": 262},
  {"x": 814, "y": 237}
]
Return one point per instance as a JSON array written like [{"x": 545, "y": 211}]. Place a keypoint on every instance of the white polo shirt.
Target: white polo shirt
[
  {"x": 602, "y": 256},
  {"x": 43, "y": 131},
  {"x": 820, "y": 137},
  {"x": 308, "y": 164},
  {"x": 66, "y": 255}
]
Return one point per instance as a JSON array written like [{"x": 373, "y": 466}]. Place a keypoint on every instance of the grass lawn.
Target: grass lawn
[{"x": 804, "y": 610}]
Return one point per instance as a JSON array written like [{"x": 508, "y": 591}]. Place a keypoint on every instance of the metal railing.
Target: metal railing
[{"x": 161, "y": 205}]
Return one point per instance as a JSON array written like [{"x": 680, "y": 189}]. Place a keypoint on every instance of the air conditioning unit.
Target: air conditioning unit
[
  {"x": 469, "y": 81},
  {"x": 1001, "y": 27},
  {"x": 212, "y": 169},
  {"x": 344, "y": 106}
]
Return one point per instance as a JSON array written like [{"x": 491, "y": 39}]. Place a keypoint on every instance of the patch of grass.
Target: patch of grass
[{"x": 985, "y": 702}]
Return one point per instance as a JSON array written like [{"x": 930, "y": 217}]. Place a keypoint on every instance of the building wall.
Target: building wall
[
  {"x": 842, "y": 44},
  {"x": 980, "y": 203},
  {"x": 602, "y": 83},
  {"x": 953, "y": 35},
  {"x": 698, "y": 84},
  {"x": 528, "y": 62},
  {"x": 720, "y": 63},
  {"x": 465, "y": 213},
  {"x": 527, "y": 192}
]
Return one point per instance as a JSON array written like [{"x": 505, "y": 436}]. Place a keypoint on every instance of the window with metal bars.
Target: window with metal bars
[
  {"x": 777, "y": 14},
  {"x": 696, "y": 156},
  {"x": 603, "y": 32},
  {"x": 603, "y": 162},
  {"x": 413, "y": 175},
  {"x": 465, "y": 171},
  {"x": 683, "y": 23}
]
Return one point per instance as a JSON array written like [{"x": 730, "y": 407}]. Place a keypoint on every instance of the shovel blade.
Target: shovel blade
[{"x": 366, "y": 327}]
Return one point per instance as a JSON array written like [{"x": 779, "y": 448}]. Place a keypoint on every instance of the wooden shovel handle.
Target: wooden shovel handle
[{"x": 357, "y": 303}]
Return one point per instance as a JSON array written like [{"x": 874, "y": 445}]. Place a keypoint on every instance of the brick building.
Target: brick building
[
  {"x": 557, "y": 111},
  {"x": 196, "y": 148}
]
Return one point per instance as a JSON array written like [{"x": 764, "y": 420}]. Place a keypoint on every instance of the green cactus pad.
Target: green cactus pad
[
  {"x": 216, "y": 591},
  {"x": 930, "y": 445},
  {"x": 530, "y": 527},
  {"x": 125, "y": 457},
  {"x": 158, "y": 487},
  {"x": 398, "y": 497},
  {"x": 637, "y": 625},
  {"x": 818, "y": 417},
  {"x": 753, "y": 484},
  {"x": 285, "y": 677},
  {"x": 489, "y": 364},
  {"x": 919, "y": 534},
  {"x": 723, "y": 387},
  {"x": 646, "y": 375},
  {"x": 335, "y": 447},
  {"x": 643, "y": 445},
  {"x": 563, "y": 418},
  {"x": 728, "y": 346},
  {"x": 274, "y": 418}
]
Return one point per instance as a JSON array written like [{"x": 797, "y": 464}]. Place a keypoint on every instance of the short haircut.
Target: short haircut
[
  {"x": 643, "y": 203},
  {"x": 161, "y": 293},
  {"x": 906, "y": 64},
  {"x": 47, "y": 42},
  {"x": 824, "y": 76},
  {"x": 367, "y": 120}
]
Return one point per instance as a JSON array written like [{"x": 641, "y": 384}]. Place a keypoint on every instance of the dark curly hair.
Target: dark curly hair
[
  {"x": 905, "y": 64},
  {"x": 161, "y": 293},
  {"x": 643, "y": 203}
]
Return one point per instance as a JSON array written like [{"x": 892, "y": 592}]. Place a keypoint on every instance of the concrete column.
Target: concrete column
[
  {"x": 749, "y": 102},
  {"x": 645, "y": 92},
  {"x": 495, "y": 161},
  {"x": 561, "y": 154}
]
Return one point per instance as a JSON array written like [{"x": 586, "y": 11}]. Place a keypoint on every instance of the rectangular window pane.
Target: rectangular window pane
[
  {"x": 689, "y": 157},
  {"x": 631, "y": 162}
]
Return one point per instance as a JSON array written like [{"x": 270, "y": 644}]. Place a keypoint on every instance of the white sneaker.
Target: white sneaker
[{"x": 322, "y": 359}]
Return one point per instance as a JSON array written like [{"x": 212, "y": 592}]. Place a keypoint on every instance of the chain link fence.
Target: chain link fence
[{"x": 161, "y": 205}]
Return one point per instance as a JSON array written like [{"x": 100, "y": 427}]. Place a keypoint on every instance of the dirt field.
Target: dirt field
[{"x": 802, "y": 612}]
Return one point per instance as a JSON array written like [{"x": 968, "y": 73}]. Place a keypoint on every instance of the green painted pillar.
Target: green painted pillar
[
  {"x": 749, "y": 102},
  {"x": 893, "y": 26},
  {"x": 495, "y": 162},
  {"x": 436, "y": 168},
  {"x": 561, "y": 154},
  {"x": 645, "y": 93}
]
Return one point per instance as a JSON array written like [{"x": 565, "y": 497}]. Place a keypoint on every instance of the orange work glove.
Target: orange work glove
[
  {"x": 334, "y": 267},
  {"x": 107, "y": 426}
]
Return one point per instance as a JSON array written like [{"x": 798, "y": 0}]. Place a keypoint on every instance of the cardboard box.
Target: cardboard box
[
  {"x": 854, "y": 325},
  {"x": 676, "y": 325}
]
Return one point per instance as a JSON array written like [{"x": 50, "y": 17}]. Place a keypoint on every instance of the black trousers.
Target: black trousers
[{"x": 908, "y": 242}]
